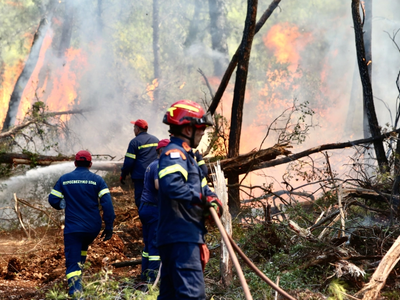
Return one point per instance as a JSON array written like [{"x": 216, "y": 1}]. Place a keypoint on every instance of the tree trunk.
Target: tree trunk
[
  {"x": 25, "y": 74},
  {"x": 235, "y": 58},
  {"x": 66, "y": 30},
  {"x": 367, "y": 88},
  {"x": 156, "y": 52},
  {"x": 238, "y": 101},
  {"x": 218, "y": 35},
  {"x": 367, "y": 29}
]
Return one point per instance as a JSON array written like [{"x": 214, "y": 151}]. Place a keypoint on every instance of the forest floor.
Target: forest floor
[{"x": 30, "y": 267}]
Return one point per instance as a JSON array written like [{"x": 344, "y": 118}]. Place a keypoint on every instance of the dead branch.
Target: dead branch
[
  {"x": 25, "y": 202},
  {"x": 39, "y": 119},
  {"x": 27, "y": 159},
  {"x": 19, "y": 215},
  {"x": 127, "y": 263},
  {"x": 372, "y": 288}
]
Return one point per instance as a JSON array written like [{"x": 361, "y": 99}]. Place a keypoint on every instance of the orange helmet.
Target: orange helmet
[{"x": 186, "y": 112}]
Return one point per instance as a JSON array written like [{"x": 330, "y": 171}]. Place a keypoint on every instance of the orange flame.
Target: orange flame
[
  {"x": 182, "y": 85},
  {"x": 151, "y": 87},
  {"x": 286, "y": 41},
  {"x": 31, "y": 90}
]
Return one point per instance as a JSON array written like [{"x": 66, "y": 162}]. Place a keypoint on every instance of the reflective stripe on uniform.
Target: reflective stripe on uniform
[
  {"x": 173, "y": 169},
  {"x": 148, "y": 145},
  {"x": 130, "y": 155},
  {"x": 73, "y": 274},
  {"x": 204, "y": 182},
  {"x": 83, "y": 253},
  {"x": 57, "y": 193},
  {"x": 103, "y": 191},
  {"x": 201, "y": 162},
  {"x": 145, "y": 254},
  {"x": 154, "y": 258}
]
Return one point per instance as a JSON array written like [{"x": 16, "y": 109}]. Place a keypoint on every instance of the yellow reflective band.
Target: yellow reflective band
[
  {"x": 201, "y": 162},
  {"x": 73, "y": 274},
  {"x": 188, "y": 107},
  {"x": 204, "y": 182},
  {"x": 154, "y": 258},
  {"x": 173, "y": 169},
  {"x": 145, "y": 254},
  {"x": 83, "y": 253},
  {"x": 148, "y": 145},
  {"x": 171, "y": 111},
  {"x": 57, "y": 193},
  {"x": 130, "y": 155},
  {"x": 103, "y": 191}
]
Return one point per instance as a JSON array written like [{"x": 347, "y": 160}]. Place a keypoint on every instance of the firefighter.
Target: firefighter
[
  {"x": 141, "y": 152},
  {"x": 148, "y": 214},
  {"x": 184, "y": 197},
  {"x": 200, "y": 162},
  {"x": 78, "y": 192}
]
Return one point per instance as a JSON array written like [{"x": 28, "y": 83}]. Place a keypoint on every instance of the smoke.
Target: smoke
[{"x": 116, "y": 39}]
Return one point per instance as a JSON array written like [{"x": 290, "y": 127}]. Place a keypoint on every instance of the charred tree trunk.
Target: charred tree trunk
[
  {"x": 367, "y": 88},
  {"x": 156, "y": 50},
  {"x": 238, "y": 101},
  {"x": 367, "y": 29},
  {"x": 218, "y": 36},
  {"x": 232, "y": 65},
  {"x": 25, "y": 74},
  {"x": 66, "y": 30}
]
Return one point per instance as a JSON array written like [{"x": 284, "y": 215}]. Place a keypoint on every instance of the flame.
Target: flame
[
  {"x": 286, "y": 41},
  {"x": 54, "y": 83},
  {"x": 9, "y": 78},
  {"x": 182, "y": 85},
  {"x": 151, "y": 87},
  {"x": 31, "y": 90}
]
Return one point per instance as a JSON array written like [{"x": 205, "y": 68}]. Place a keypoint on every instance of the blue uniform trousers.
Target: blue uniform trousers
[
  {"x": 148, "y": 214},
  {"x": 75, "y": 247},
  {"x": 139, "y": 185},
  {"x": 181, "y": 272}
]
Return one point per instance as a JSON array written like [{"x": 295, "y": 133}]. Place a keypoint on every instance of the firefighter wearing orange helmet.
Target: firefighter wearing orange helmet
[{"x": 184, "y": 197}]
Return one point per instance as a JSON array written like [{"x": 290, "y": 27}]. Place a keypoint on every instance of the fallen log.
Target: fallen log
[{"x": 127, "y": 263}]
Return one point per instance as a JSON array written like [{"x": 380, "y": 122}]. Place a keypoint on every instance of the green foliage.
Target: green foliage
[{"x": 336, "y": 290}]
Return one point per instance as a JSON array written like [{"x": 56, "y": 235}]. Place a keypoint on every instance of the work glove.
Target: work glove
[
  {"x": 211, "y": 201},
  {"x": 122, "y": 179},
  {"x": 107, "y": 234}
]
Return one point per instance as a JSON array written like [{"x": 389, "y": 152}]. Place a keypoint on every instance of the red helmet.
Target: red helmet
[
  {"x": 83, "y": 155},
  {"x": 162, "y": 143},
  {"x": 185, "y": 112}
]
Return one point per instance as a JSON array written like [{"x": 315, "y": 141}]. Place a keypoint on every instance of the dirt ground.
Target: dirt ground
[{"x": 29, "y": 267}]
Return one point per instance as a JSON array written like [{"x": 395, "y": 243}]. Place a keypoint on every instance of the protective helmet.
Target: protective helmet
[
  {"x": 162, "y": 143},
  {"x": 186, "y": 112}
]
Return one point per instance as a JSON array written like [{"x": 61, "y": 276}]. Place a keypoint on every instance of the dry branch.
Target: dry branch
[{"x": 372, "y": 288}]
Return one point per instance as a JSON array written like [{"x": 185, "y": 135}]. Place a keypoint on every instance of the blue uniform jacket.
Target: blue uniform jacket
[
  {"x": 81, "y": 190},
  {"x": 141, "y": 152},
  {"x": 150, "y": 192},
  {"x": 181, "y": 183}
]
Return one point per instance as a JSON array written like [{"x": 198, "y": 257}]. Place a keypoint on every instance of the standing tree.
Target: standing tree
[
  {"x": 367, "y": 87},
  {"x": 238, "y": 101}
]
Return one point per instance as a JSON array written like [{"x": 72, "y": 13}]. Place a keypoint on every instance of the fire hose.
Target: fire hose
[{"x": 230, "y": 244}]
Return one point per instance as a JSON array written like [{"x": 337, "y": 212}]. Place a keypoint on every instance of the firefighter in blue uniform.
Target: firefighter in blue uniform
[
  {"x": 201, "y": 163},
  {"x": 148, "y": 214},
  {"x": 141, "y": 152},
  {"x": 184, "y": 197},
  {"x": 79, "y": 192}
]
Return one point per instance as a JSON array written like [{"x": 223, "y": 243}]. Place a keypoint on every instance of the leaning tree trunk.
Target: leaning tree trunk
[
  {"x": 367, "y": 88},
  {"x": 25, "y": 74},
  {"x": 238, "y": 101},
  {"x": 367, "y": 29},
  {"x": 218, "y": 35},
  {"x": 156, "y": 50}
]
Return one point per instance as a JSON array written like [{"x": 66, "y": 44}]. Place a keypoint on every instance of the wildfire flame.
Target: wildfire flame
[
  {"x": 53, "y": 83},
  {"x": 151, "y": 87},
  {"x": 182, "y": 85}
]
